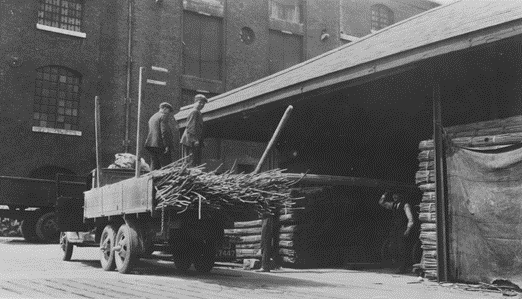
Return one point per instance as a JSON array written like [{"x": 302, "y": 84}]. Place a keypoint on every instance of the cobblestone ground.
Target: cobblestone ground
[{"x": 37, "y": 271}]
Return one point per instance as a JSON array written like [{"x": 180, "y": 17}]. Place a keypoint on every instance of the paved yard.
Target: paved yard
[{"x": 37, "y": 271}]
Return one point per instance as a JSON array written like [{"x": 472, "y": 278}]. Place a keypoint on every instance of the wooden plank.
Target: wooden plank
[
  {"x": 244, "y": 231},
  {"x": 331, "y": 180},
  {"x": 427, "y": 227},
  {"x": 246, "y": 224},
  {"x": 428, "y": 207},
  {"x": 427, "y": 187},
  {"x": 287, "y": 252},
  {"x": 422, "y": 176},
  {"x": 288, "y": 229},
  {"x": 428, "y": 197},
  {"x": 496, "y": 124},
  {"x": 286, "y": 236},
  {"x": 245, "y": 253},
  {"x": 288, "y": 218},
  {"x": 286, "y": 244},
  {"x": 249, "y": 246},
  {"x": 245, "y": 239},
  {"x": 428, "y": 217},
  {"x": 479, "y": 141}
]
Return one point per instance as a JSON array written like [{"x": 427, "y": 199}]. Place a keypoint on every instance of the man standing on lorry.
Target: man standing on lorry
[
  {"x": 192, "y": 139},
  {"x": 159, "y": 140}
]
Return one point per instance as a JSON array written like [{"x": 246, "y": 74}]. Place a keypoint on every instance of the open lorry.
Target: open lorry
[
  {"x": 120, "y": 217},
  {"x": 32, "y": 201}
]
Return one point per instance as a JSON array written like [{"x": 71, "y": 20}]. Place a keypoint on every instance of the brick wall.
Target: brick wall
[{"x": 101, "y": 59}]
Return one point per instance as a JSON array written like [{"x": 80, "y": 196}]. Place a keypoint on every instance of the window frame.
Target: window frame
[
  {"x": 199, "y": 42},
  {"x": 56, "y": 100},
  {"x": 285, "y": 43},
  {"x": 61, "y": 15},
  {"x": 381, "y": 12},
  {"x": 298, "y": 9}
]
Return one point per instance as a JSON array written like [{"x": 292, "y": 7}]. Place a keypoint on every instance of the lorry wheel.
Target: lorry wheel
[
  {"x": 204, "y": 261},
  {"x": 182, "y": 263},
  {"x": 27, "y": 228},
  {"x": 126, "y": 249},
  {"x": 47, "y": 228},
  {"x": 107, "y": 239},
  {"x": 67, "y": 247}
]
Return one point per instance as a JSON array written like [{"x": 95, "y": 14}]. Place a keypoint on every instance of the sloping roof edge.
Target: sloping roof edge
[{"x": 378, "y": 65}]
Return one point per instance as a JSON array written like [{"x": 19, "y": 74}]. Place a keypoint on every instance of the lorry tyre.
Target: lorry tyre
[
  {"x": 66, "y": 246},
  {"x": 127, "y": 247},
  {"x": 107, "y": 239},
  {"x": 47, "y": 229},
  {"x": 27, "y": 228},
  {"x": 182, "y": 254},
  {"x": 204, "y": 261},
  {"x": 182, "y": 263}
]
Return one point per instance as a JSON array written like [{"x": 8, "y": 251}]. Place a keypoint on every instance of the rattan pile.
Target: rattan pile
[{"x": 183, "y": 187}]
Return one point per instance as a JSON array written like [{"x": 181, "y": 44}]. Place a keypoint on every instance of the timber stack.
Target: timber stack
[
  {"x": 302, "y": 235},
  {"x": 487, "y": 134}
]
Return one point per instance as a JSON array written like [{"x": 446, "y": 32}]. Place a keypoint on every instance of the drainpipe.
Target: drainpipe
[{"x": 129, "y": 68}]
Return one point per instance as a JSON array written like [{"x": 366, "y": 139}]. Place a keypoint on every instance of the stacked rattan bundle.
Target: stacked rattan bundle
[
  {"x": 183, "y": 187},
  {"x": 492, "y": 134}
]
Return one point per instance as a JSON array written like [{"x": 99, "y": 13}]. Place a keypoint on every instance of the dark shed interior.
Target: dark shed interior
[{"x": 373, "y": 130}]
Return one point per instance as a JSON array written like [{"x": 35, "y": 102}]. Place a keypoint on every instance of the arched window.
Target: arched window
[
  {"x": 382, "y": 16},
  {"x": 56, "y": 98},
  {"x": 63, "y": 14}
]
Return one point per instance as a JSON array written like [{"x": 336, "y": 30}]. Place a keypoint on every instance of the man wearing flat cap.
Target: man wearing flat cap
[
  {"x": 192, "y": 139},
  {"x": 159, "y": 140}
]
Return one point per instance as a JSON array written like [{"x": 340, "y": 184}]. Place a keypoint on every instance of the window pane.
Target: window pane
[
  {"x": 60, "y": 14},
  {"x": 211, "y": 36},
  {"x": 192, "y": 44},
  {"x": 276, "y": 51},
  {"x": 50, "y": 99}
]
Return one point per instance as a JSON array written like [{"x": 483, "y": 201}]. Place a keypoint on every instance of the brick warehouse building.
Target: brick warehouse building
[{"x": 57, "y": 55}]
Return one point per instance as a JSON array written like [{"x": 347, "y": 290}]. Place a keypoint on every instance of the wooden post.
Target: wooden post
[
  {"x": 440, "y": 188},
  {"x": 97, "y": 137},
  {"x": 274, "y": 137},
  {"x": 268, "y": 220},
  {"x": 266, "y": 242},
  {"x": 138, "y": 141}
]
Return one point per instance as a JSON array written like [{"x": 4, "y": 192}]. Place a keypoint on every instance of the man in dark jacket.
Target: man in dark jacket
[
  {"x": 192, "y": 139},
  {"x": 159, "y": 140}
]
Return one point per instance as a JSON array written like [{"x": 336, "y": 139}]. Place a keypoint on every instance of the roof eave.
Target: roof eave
[{"x": 371, "y": 69}]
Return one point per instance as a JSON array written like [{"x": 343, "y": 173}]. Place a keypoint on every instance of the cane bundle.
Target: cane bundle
[{"x": 185, "y": 187}]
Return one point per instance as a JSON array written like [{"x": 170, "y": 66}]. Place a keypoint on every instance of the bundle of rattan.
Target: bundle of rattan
[{"x": 185, "y": 187}]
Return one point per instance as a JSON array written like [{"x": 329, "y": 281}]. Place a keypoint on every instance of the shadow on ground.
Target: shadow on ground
[{"x": 219, "y": 276}]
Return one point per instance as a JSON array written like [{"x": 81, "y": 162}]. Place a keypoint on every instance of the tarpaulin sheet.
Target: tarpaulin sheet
[{"x": 485, "y": 195}]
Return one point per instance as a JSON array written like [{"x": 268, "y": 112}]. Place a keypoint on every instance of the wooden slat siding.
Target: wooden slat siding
[{"x": 467, "y": 23}]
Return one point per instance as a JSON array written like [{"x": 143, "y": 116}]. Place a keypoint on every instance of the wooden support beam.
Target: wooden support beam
[
  {"x": 440, "y": 188},
  {"x": 331, "y": 180}
]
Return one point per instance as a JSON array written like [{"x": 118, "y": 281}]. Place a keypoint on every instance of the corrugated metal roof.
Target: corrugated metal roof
[{"x": 420, "y": 31}]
